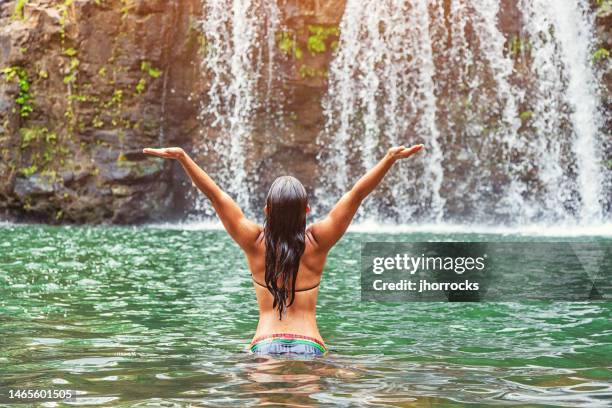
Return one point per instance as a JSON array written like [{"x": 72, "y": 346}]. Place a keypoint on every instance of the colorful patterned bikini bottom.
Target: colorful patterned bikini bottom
[{"x": 288, "y": 344}]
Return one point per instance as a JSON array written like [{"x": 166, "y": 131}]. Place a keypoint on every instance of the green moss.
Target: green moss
[
  {"x": 526, "y": 115},
  {"x": 77, "y": 98},
  {"x": 601, "y": 54},
  {"x": 604, "y": 8},
  {"x": 97, "y": 122},
  {"x": 141, "y": 86},
  {"x": 23, "y": 98},
  {"x": 317, "y": 40},
  {"x": 71, "y": 52},
  {"x": 517, "y": 46},
  {"x": 286, "y": 42},
  {"x": 288, "y": 45},
  {"x": 35, "y": 134},
  {"x": 28, "y": 171},
  {"x": 18, "y": 11},
  {"x": 63, "y": 17},
  {"x": 204, "y": 45},
  {"x": 117, "y": 98},
  {"x": 41, "y": 141},
  {"x": 125, "y": 9},
  {"x": 146, "y": 67},
  {"x": 310, "y": 72},
  {"x": 72, "y": 71}
]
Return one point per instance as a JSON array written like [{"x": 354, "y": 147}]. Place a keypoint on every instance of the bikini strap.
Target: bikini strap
[{"x": 301, "y": 290}]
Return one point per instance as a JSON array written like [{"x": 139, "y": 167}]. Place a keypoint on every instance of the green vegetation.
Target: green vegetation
[
  {"x": 63, "y": 16},
  {"x": 18, "y": 12},
  {"x": 141, "y": 86},
  {"x": 600, "y": 54},
  {"x": 604, "y": 8},
  {"x": 125, "y": 9},
  {"x": 116, "y": 99},
  {"x": 146, "y": 67},
  {"x": 288, "y": 45},
  {"x": 150, "y": 70},
  {"x": 517, "y": 46},
  {"x": 28, "y": 171},
  {"x": 204, "y": 45},
  {"x": 24, "y": 98},
  {"x": 317, "y": 42},
  {"x": 71, "y": 52},
  {"x": 44, "y": 148},
  {"x": 310, "y": 72},
  {"x": 318, "y": 37},
  {"x": 526, "y": 115},
  {"x": 70, "y": 77},
  {"x": 97, "y": 122}
]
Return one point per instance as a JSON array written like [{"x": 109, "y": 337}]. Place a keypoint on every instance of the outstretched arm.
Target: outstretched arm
[
  {"x": 240, "y": 228},
  {"x": 329, "y": 230}
]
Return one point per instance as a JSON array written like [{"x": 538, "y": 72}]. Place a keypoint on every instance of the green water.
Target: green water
[{"x": 149, "y": 316}]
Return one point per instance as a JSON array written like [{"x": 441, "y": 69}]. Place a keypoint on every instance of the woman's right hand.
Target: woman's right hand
[{"x": 166, "y": 153}]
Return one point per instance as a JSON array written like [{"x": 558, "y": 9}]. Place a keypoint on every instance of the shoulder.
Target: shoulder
[
  {"x": 311, "y": 239},
  {"x": 255, "y": 245}
]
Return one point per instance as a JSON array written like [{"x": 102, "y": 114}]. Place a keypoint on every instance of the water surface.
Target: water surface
[{"x": 131, "y": 316}]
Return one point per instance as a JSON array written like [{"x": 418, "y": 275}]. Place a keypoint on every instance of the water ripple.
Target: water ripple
[{"x": 150, "y": 316}]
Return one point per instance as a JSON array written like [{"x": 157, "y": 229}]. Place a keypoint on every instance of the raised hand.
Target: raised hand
[
  {"x": 402, "y": 152},
  {"x": 167, "y": 153}
]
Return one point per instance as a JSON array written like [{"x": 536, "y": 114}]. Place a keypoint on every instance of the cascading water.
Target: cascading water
[
  {"x": 508, "y": 108},
  {"x": 513, "y": 138},
  {"x": 381, "y": 94},
  {"x": 234, "y": 61},
  {"x": 572, "y": 29}
]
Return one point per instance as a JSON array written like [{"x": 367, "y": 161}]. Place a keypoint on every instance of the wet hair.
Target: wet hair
[{"x": 284, "y": 232}]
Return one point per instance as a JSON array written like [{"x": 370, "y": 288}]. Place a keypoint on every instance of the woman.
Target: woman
[{"x": 285, "y": 257}]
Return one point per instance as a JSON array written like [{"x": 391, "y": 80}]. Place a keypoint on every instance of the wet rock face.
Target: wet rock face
[{"x": 85, "y": 87}]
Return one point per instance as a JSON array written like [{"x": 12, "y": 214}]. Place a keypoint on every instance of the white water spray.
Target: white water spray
[
  {"x": 510, "y": 118},
  {"x": 235, "y": 32},
  {"x": 381, "y": 94},
  {"x": 523, "y": 150}
]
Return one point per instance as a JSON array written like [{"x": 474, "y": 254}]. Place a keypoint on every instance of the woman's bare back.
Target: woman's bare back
[{"x": 300, "y": 317}]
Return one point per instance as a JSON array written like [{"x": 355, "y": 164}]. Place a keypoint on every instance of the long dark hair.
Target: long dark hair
[{"x": 284, "y": 231}]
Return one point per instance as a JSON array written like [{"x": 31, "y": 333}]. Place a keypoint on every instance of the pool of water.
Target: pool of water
[{"x": 147, "y": 315}]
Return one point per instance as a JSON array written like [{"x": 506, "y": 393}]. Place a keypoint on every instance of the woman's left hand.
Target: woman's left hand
[{"x": 166, "y": 153}]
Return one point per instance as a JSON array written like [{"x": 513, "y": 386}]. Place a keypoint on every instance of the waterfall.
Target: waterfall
[
  {"x": 381, "y": 93},
  {"x": 236, "y": 34},
  {"x": 573, "y": 29},
  {"x": 511, "y": 119},
  {"x": 567, "y": 120},
  {"x": 503, "y": 95}
]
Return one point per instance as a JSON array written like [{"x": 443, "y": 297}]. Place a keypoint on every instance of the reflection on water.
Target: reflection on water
[{"x": 150, "y": 316}]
